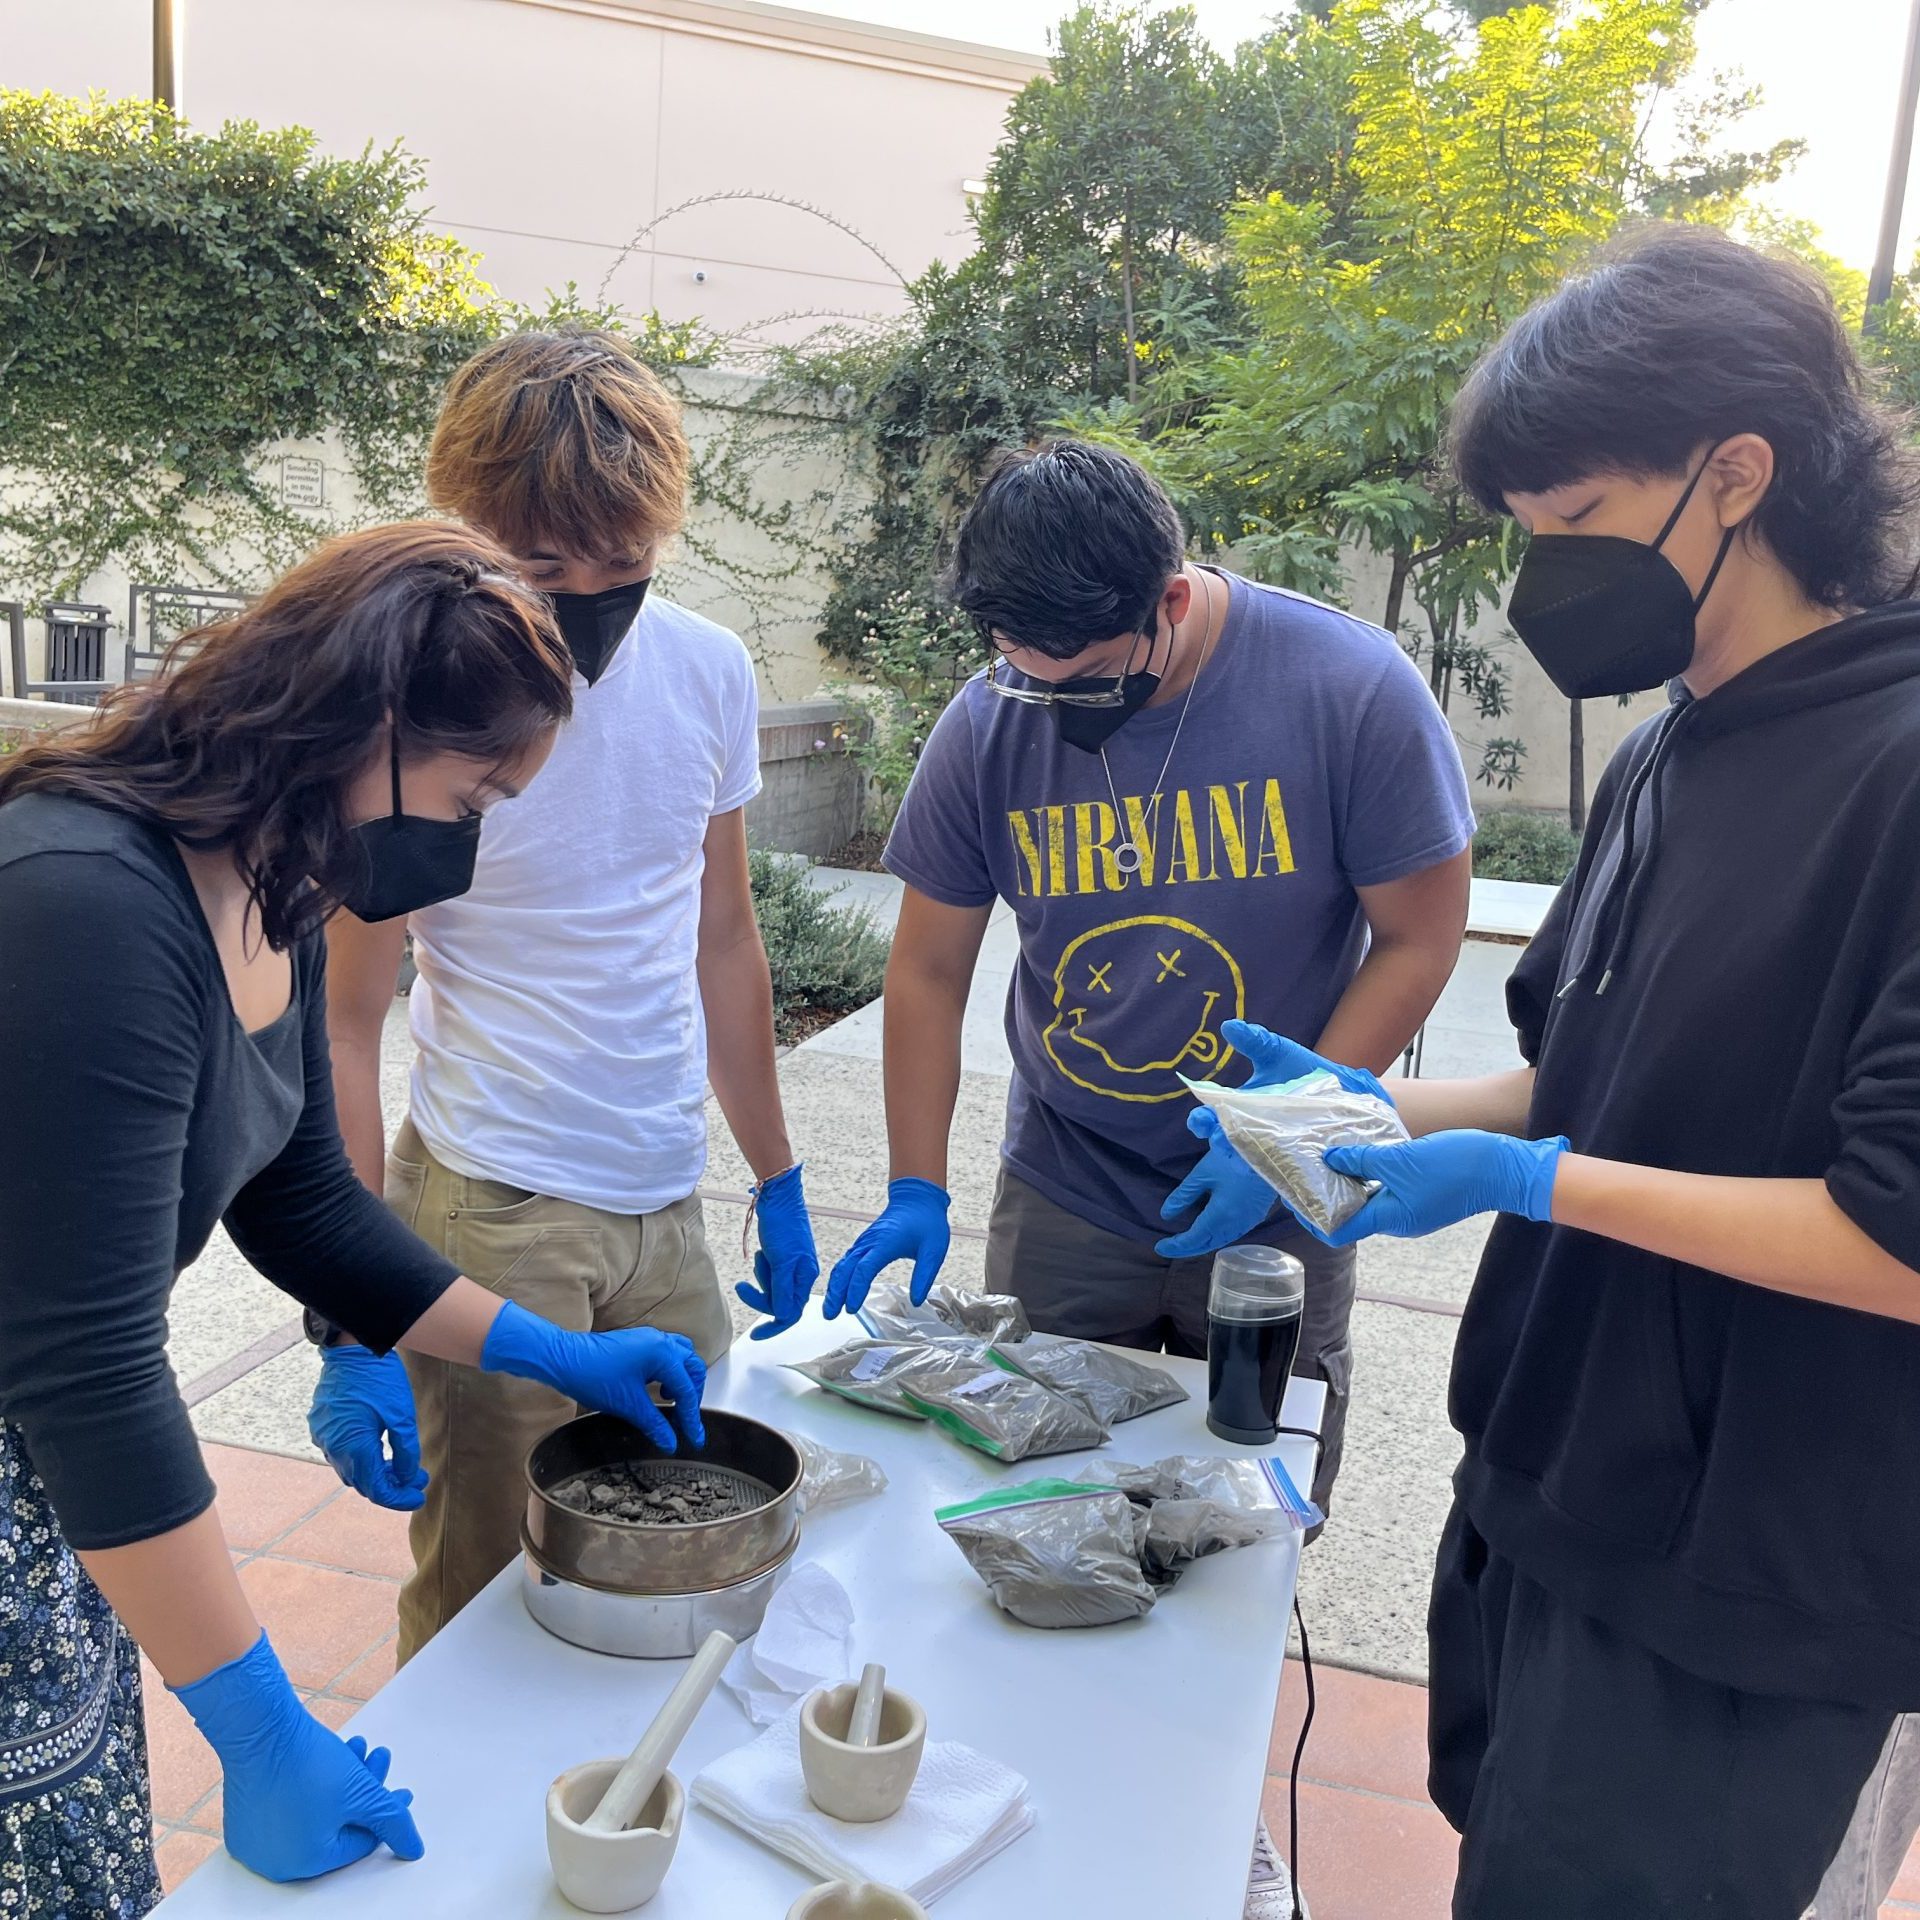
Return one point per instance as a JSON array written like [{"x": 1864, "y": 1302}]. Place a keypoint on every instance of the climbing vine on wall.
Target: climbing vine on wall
[{"x": 174, "y": 303}]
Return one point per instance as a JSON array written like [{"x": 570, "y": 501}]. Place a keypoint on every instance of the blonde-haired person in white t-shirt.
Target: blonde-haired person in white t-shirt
[{"x": 572, "y": 1008}]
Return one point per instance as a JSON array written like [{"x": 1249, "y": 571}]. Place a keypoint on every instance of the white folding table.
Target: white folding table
[{"x": 1145, "y": 1743}]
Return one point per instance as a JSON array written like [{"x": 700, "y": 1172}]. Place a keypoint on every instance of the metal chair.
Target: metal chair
[
  {"x": 183, "y": 608},
  {"x": 76, "y": 652}
]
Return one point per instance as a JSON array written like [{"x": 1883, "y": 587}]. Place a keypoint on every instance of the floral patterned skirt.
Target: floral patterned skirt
[{"x": 76, "y": 1817}]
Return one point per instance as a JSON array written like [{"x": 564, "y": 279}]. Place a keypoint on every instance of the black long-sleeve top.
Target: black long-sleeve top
[{"x": 135, "y": 1111}]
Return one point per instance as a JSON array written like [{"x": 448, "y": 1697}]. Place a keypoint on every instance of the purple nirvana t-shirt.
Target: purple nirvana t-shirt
[{"x": 1313, "y": 761}]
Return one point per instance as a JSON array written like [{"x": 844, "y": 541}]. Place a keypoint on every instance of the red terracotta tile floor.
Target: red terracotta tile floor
[{"x": 323, "y": 1570}]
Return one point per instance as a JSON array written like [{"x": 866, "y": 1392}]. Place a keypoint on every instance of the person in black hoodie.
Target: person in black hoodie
[{"x": 1677, "y": 1603}]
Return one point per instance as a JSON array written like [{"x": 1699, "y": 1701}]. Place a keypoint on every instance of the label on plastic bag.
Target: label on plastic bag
[
  {"x": 871, "y": 1365},
  {"x": 980, "y": 1383}
]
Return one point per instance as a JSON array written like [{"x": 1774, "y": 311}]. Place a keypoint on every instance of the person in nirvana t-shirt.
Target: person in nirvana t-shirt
[{"x": 1261, "y": 809}]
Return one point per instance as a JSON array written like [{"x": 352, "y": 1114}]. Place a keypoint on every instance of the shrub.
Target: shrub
[
  {"x": 916, "y": 656},
  {"x": 825, "y": 959},
  {"x": 1512, "y": 845}
]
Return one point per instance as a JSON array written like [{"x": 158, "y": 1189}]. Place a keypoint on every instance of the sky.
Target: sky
[{"x": 1829, "y": 71}]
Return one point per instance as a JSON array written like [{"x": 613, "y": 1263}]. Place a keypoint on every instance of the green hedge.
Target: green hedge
[
  {"x": 826, "y": 960},
  {"x": 1524, "y": 846}
]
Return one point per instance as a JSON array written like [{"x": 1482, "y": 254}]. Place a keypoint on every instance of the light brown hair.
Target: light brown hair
[
  {"x": 252, "y": 735},
  {"x": 564, "y": 438}
]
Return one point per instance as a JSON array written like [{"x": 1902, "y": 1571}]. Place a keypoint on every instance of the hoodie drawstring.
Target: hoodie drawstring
[{"x": 1613, "y": 924}]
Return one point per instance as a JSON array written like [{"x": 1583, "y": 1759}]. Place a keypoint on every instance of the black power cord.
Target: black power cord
[
  {"x": 1306, "y": 1723},
  {"x": 1300, "y": 1748}
]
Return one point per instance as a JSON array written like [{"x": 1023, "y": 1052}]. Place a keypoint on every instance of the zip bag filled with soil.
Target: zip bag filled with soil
[
  {"x": 869, "y": 1372},
  {"x": 1053, "y": 1553},
  {"x": 1191, "y": 1506},
  {"x": 983, "y": 1404},
  {"x": 1113, "y": 1387},
  {"x": 1283, "y": 1134},
  {"x": 947, "y": 1313}
]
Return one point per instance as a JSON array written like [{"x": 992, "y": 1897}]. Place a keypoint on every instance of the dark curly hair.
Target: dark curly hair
[
  {"x": 1066, "y": 545},
  {"x": 251, "y": 737},
  {"x": 1677, "y": 337}
]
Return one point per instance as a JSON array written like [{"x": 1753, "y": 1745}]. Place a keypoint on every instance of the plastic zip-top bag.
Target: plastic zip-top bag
[
  {"x": 947, "y": 1313},
  {"x": 1283, "y": 1133},
  {"x": 869, "y": 1372},
  {"x": 984, "y": 1404},
  {"x": 1111, "y": 1386},
  {"x": 1194, "y": 1505},
  {"x": 1053, "y": 1553}
]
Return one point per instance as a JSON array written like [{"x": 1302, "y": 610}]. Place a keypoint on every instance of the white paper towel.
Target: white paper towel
[
  {"x": 805, "y": 1641},
  {"x": 964, "y": 1808}
]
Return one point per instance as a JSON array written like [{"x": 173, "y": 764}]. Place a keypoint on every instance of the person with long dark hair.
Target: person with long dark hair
[
  {"x": 1674, "y": 1614},
  {"x": 164, "y": 876}
]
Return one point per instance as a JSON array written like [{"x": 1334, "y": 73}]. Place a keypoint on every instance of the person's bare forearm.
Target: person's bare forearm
[
  {"x": 924, "y": 1017},
  {"x": 736, "y": 989},
  {"x": 1785, "y": 1235},
  {"x": 1494, "y": 1103},
  {"x": 356, "y": 1099},
  {"x": 179, "y": 1597},
  {"x": 1385, "y": 1002},
  {"x": 455, "y": 1327}
]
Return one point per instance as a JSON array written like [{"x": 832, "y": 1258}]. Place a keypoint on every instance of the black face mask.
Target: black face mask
[
  {"x": 407, "y": 862},
  {"x": 1603, "y": 614},
  {"x": 594, "y": 624},
  {"x": 1090, "y": 728}
]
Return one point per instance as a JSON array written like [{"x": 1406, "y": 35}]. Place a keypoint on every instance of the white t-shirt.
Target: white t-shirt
[{"x": 561, "y": 1043}]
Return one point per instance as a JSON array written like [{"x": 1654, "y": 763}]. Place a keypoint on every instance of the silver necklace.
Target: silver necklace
[{"x": 1126, "y": 856}]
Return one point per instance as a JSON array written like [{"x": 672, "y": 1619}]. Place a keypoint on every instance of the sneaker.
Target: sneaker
[{"x": 1270, "y": 1893}]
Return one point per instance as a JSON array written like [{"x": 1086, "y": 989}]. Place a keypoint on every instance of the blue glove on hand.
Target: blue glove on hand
[
  {"x": 787, "y": 1264},
  {"x": 912, "y": 1227},
  {"x": 1447, "y": 1177},
  {"x": 1238, "y": 1199},
  {"x": 298, "y": 1800},
  {"x": 609, "y": 1372},
  {"x": 1276, "y": 1059},
  {"x": 362, "y": 1399}
]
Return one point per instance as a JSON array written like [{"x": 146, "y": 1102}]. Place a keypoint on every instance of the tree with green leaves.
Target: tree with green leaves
[
  {"x": 1486, "y": 158},
  {"x": 1101, "y": 270}
]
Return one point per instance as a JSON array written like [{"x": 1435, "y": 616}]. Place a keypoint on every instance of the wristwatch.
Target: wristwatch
[{"x": 320, "y": 1331}]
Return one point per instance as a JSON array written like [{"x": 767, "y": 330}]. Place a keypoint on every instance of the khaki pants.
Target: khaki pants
[
  {"x": 576, "y": 1266},
  {"x": 1078, "y": 1279}
]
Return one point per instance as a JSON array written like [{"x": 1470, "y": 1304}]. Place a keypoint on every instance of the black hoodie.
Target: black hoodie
[{"x": 1729, "y": 984}]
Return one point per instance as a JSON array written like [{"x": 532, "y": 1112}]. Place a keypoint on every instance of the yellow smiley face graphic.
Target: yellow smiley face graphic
[{"x": 1140, "y": 1002}]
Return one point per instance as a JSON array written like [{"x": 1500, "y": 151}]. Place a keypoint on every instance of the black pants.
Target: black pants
[{"x": 1592, "y": 1780}]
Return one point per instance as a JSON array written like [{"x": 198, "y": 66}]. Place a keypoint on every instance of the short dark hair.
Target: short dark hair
[
  {"x": 1066, "y": 545},
  {"x": 1676, "y": 337}
]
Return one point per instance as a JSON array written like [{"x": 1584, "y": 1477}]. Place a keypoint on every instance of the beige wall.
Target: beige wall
[
  {"x": 777, "y": 619},
  {"x": 552, "y": 130}
]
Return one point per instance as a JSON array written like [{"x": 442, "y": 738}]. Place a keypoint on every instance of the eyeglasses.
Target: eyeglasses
[{"x": 1112, "y": 695}]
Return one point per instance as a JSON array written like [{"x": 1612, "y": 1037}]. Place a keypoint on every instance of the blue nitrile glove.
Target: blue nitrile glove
[
  {"x": 1447, "y": 1177},
  {"x": 913, "y": 1226},
  {"x": 609, "y": 1372},
  {"x": 1237, "y": 1199},
  {"x": 787, "y": 1264},
  {"x": 298, "y": 1800},
  {"x": 1276, "y": 1059},
  {"x": 362, "y": 1399}
]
